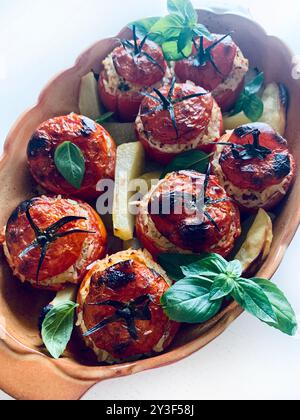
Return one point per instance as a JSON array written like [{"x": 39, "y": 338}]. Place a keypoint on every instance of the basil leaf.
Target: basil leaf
[
  {"x": 253, "y": 108},
  {"x": 170, "y": 50},
  {"x": 222, "y": 287},
  {"x": 210, "y": 267},
  {"x": 69, "y": 161},
  {"x": 185, "y": 40},
  {"x": 194, "y": 159},
  {"x": 253, "y": 299},
  {"x": 286, "y": 317},
  {"x": 57, "y": 328},
  {"x": 255, "y": 85},
  {"x": 201, "y": 30},
  {"x": 167, "y": 29},
  {"x": 104, "y": 118},
  {"x": 172, "y": 263},
  {"x": 239, "y": 106},
  {"x": 184, "y": 8},
  {"x": 188, "y": 301},
  {"x": 144, "y": 26},
  {"x": 234, "y": 269}
]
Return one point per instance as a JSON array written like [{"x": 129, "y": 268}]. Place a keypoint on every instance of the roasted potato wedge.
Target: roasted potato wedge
[
  {"x": 152, "y": 178},
  {"x": 130, "y": 166},
  {"x": 257, "y": 245},
  {"x": 275, "y": 99},
  {"x": 89, "y": 102}
]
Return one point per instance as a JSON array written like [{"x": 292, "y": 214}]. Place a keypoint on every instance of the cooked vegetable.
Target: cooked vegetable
[
  {"x": 152, "y": 178},
  {"x": 89, "y": 102},
  {"x": 257, "y": 245},
  {"x": 275, "y": 104},
  {"x": 200, "y": 295},
  {"x": 130, "y": 166}
]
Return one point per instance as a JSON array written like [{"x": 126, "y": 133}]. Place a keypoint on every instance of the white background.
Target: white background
[{"x": 38, "y": 38}]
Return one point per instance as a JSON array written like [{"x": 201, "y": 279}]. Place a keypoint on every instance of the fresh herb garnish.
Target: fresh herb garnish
[
  {"x": 57, "y": 328},
  {"x": 200, "y": 295},
  {"x": 193, "y": 160},
  {"x": 137, "y": 309},
  {"x": 44, "y": 238},
  {"x": 136, "y": 49},
  {"x": 249, "y": 102},
  {"x": 167, "y": 103},
  {"x": 104, "y": 118},
  {"x": 204, "y": 55},
  {"x": 70, "y": 163},
  {"x": 176, "y": 31},
  {"x": 248, "y": 151}
]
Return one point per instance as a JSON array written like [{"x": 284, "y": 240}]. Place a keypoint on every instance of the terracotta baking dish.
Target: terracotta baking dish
[{"x": 25, "y": 372}]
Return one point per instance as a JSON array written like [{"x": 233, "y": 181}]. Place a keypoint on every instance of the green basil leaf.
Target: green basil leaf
[
  {"x": 57, "y": 328},
  {"x": 167, "y": 29},
  {"x": 209, "y": 267},
  {"x": 104, "y": 118},
  {"x": 201, "y": 30},
  {"x": 255, "y": 85},
  {"x": 253, "y": 108},
  {"x": 235, "y": 269},
  {"x": 144, "y": 26},
  {"x": 194, "y": 159},
  {"x": 69, "y": 161},
  {"x": 286, "y": 317},
  {"x": 222, "y": 287},
  {"x": 185, "y": 41},
  {"x": 184, "y": 8},
  {"x": 172, "y": 263},
  {"x": 188, "y": 301},
  {"x": 239, "y": 106},
  {"x": 253, "y": 299},
  {"x": 170, "y": 50}
]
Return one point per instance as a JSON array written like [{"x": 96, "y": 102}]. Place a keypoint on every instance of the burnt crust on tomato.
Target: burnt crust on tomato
[
  {"x": 116, "y": 277},
  {"x": 96, "y": 145}
]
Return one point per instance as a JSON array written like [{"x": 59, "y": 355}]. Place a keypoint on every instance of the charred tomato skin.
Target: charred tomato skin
[
  {"x": 125, "y": 281},
  {"x": 123, "y": 101},
  {"x": 206, "y": 75},
  {"x": 257, "y": 174},
  {"x": 63, "y": 252},
  {"x": 97, "y": 146},
  {"x": 190, "y": 230},
  {"x": 193, "y": 117}
]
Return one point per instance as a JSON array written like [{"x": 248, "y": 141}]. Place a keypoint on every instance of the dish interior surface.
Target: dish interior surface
[{"x": 21, "y": 305}]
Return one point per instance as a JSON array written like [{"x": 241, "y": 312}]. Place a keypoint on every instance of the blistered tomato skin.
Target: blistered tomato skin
[
  {"x": 258, "y": 174},
  {"x": 97, "y": 146},
  {"x": 127, "y": 282},
  {"x": 77, "y": 249},
  {"x": 135, "y": 76},
  {"x": 190, "y": 226},
  {"x": 193, "y": 117},
  {"x": 224, "y": 56}
]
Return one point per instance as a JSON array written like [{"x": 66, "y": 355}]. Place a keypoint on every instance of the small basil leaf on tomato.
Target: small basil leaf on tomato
[
  {"x": 70, "y": 163},
  {"x": 188, "y": 301},
  {"x": 57, "y": 328},
  {"x": 191, "y": 160}
]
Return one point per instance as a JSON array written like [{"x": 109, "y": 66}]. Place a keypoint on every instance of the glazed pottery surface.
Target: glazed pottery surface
[{"x": 26, "y": 372}]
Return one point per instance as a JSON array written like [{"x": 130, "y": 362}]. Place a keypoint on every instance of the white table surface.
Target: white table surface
[{"x": 38, "y": 38}]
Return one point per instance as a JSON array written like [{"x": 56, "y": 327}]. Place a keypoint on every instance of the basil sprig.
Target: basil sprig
[
  {"x": 249, "y": 102},
  {"x": 207, "y": 282},
  {"x": 193, "y": 160},
  {"x": 176, "y": 31},
  {"x": 70, "y": 163},
  {"x": 57, "y": 328}
]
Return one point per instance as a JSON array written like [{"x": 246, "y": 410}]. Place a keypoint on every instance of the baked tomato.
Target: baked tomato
[
  {"x": 96, "y": 145},
  {"x": 188, "y": 212},
  {"x": 50, "y": 241},
  {"x": 119, "y": 313},
  {"x": 217, "y": 65},
  {"x": 129, "y": 70},
  {"x": 176, "y": 119},
  {"x": 256, "y": 168}
]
